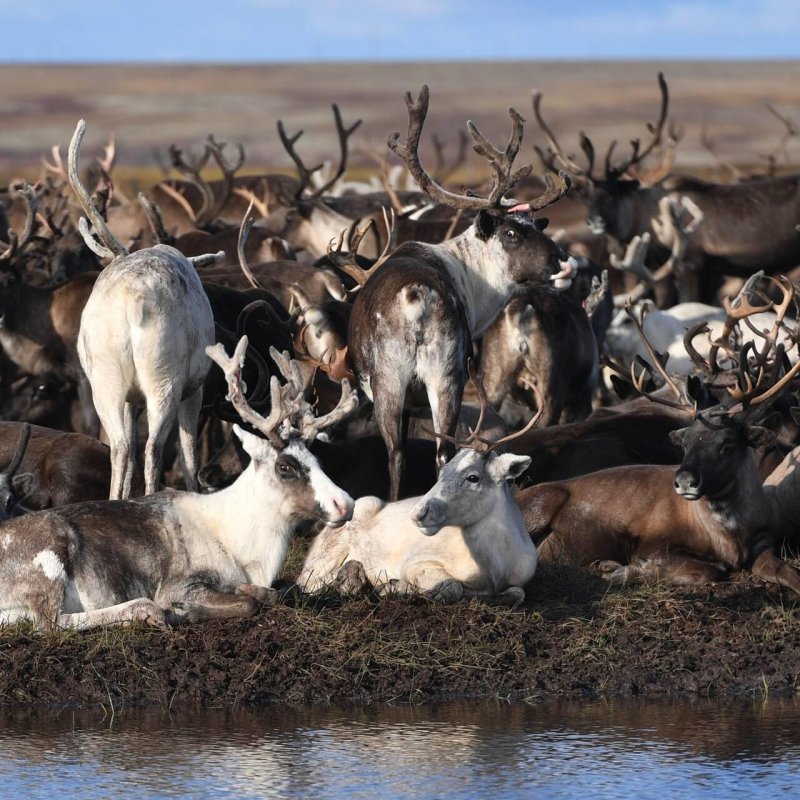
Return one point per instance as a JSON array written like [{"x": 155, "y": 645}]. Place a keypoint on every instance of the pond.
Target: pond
[{"x": 684, "y": 749}]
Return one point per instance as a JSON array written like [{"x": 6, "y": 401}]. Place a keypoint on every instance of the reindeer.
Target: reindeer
[
  {"x": 464, "y": 538},
  {"x": 746, "y": 226},
  {"x": 56, "y": 467},
  {"x": 179, "y": 556},
  {"x": 544, "y": 338},
  {"x": 413, "y": 321},
  {"x": 141, "y": 342},
  {"x": 10, "y": 482},
  {"x": 688, "y": 526},
  {"x": 39, "y": 324}
]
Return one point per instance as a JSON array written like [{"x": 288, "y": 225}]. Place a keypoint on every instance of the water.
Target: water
[{"x": 489, "y": 750}]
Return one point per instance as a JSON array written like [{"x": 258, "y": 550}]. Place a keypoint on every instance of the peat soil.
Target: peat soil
[{"x": 575, "y": 637}]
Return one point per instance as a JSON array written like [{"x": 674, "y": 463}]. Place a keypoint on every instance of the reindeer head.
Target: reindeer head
[
  {"x": 475, "y": 478},
  {"x": 282, "y": 458},
  {"x": 611, "y": 197},
  {"x": 500, "y": 223}
]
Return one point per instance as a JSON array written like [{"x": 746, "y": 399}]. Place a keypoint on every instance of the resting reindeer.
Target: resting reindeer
[
  {"x": 688, "y": 526},
  {"x": 414, "y": 319},
  {"x": 141, "y": 342},
  {"x": 179, "y": 556},
  {"x": 465, "y": 537}
]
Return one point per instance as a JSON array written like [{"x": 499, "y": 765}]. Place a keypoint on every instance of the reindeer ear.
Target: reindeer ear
[
  {"x": 23, "y": 485},
  {"x": 485, "y": 224},
  {"x": 508, "y": 466},
  {"x": 541, "y": 223},
  {"x": 758, "y": 436},
  {"x": 676, "y": 437},
  {"x": 257, "y": 448}
]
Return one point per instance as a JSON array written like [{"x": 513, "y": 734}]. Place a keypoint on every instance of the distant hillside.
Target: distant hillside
[{"x": 150, "y": 107}]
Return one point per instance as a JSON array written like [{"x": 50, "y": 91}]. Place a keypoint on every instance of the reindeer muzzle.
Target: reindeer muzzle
[{"x": 563, "y": 278}]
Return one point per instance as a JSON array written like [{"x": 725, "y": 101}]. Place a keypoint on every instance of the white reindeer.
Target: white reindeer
[
  {"x": 465, "y": 537},
  {"x": 142, "y": 342},
  {"x": 179, "y": 556}
]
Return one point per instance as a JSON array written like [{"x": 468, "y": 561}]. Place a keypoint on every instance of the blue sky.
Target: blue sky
[{"x": 314, "y": 30}]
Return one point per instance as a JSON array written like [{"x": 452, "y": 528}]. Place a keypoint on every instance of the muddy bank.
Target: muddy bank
[{"x": 574, "y": 637}]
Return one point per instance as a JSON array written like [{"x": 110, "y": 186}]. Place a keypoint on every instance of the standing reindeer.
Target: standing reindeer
[
  {"x": 142, "y": 341},
  {"x": 414, "y": 319},
  {"x": 746, "y": 226},
  {"x": 180, "y": 556}
]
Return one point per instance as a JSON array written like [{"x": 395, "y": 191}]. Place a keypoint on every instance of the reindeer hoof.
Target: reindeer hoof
[
  {"x": 512, "y": 596},
  {"x": 264, "y": 595},
  {"x": 150, "y": 614},
  {"x": 447, "y": 592},
  {"x": 611, "y": 571},
  {"x": 351, "y": 578}
]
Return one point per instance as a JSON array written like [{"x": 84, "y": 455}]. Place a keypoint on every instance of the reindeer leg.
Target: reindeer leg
[
  {"x": 130, "y": 415},
  {"x": 198, "y": 602},
  {"x": 675, "y": 568},
  {"x": 771, "y": 568},
  {"x": 444, "y": 396},
  {"x": 188, "y": 416},
  {"x": 161, "y": 413},
  {"x": 140, "y": 610},
  {"x": 388, "y": 409},
  {"x": 110, "y": 409}
]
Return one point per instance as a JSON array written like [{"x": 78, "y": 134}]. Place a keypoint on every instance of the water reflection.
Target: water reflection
[{"x": 553, "y": 750}]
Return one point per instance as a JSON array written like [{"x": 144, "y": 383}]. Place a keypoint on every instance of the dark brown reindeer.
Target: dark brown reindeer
[
  {"x": 746, "y": 226},
  {"x": 544, "y": 338},
  {"x": 56, "y": 468},
  {"x": 10, "y": 483},
  {"x": 688, "y": 526},
  {"x": 414, "y": 319},
  {"x": 39, "y": 324}
]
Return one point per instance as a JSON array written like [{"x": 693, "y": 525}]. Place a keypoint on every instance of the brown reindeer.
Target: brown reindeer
[
  {"x": 544, "y": 338},
  {"x": 746, "y": 226},
  {"x": 688, "y": 526},
  {"x": 414, "y": 319}
]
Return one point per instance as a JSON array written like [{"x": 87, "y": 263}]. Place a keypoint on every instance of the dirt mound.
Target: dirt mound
[{"x": 574, "y": 637}]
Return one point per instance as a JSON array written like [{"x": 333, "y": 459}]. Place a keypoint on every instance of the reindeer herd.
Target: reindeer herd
[{"x": 298, "y": 342}]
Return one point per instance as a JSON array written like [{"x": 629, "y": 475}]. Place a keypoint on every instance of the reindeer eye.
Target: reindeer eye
[
  {"x": 510, "y": 234},
  {"x": 285, "y": 469},
  {"x": 473, "y": 478}
]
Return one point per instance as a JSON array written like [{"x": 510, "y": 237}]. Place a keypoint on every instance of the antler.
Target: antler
[
  {"x": 18, "y": 242},
  {"x": 475, "y": 441},
  {"x": 637, "y": 154},
  {"x": 289, "y": 409},
  {"x": 347, "y": 263},
  {"x": 109, "y": 246},
  {"x": 659, "y": 361},
  {"x": 191, "y": 168},
  {"x": 229, "y": 170},
  {"x": 303, "y": 417},
  {"x": 556, "y": 153},
  {"x": 154, "y": 218},
  {"x": 501, "y": 162},
  {"x": 248, "y": 220},
  {"x": 232, "y": 367},
  {"x": 305, "y": 173}
]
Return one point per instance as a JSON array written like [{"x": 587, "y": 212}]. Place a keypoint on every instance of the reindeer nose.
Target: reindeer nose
[
  {"x": 687, "y": 484},
  {"x": 420, "y": 513},
  {"x": 343, "y": 510},
  {"x": 568, "y": 270}
]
